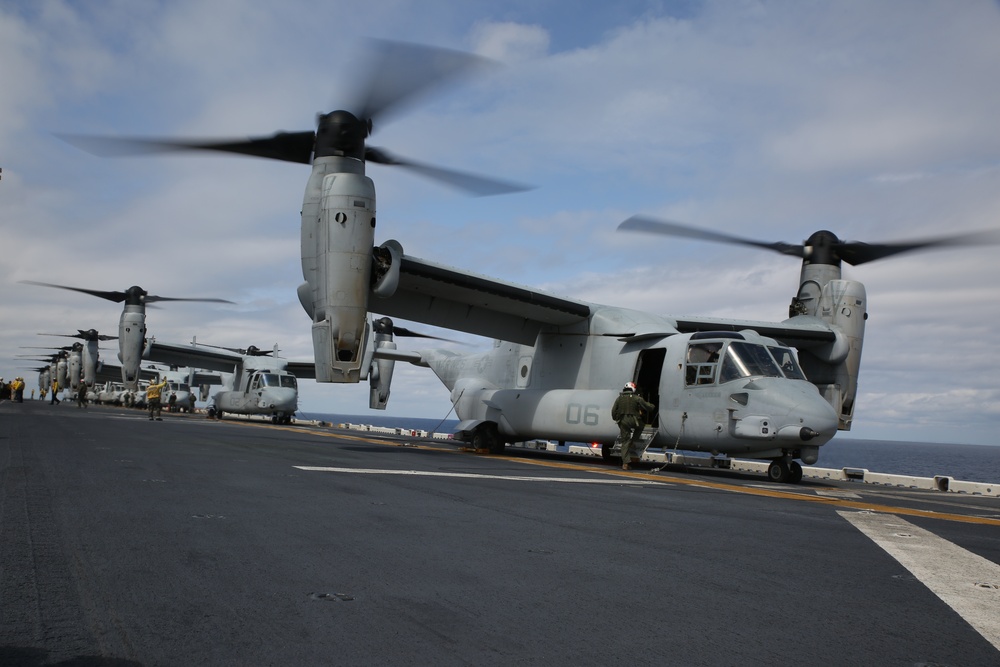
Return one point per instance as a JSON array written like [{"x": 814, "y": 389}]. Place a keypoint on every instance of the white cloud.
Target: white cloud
[{"x": 510, "y": 42}]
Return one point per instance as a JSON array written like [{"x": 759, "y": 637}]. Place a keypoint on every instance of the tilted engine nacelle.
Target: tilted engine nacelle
[
  {"x": 380, "y": 375},
  {"x": 338, "y": 232},
  {"x": 834, "y": 368},
  {"x": 91, "y": 365},
  {"x": 74, "y": 372},
  {"x": 131, "y": 339}
]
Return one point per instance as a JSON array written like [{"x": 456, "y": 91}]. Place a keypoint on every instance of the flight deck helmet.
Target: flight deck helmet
[{"x": 629, "y": 387}]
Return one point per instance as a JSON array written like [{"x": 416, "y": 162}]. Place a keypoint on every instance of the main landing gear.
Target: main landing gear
[
  {"x": 784, "y": 471},
  {"x": 487, "y": 436}
]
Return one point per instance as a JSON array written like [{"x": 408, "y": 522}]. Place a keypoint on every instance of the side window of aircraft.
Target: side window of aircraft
[
  {"x": 288, "y": 381},
  {"x": 786, "y": 360},
  {"x": 702, "y": 360},
  {"x": 254, "y": 383}
]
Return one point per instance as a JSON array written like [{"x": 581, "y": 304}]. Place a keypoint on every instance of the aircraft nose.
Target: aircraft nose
[
  {"x": 795, "y": 410},
  {"x": 819, "y": 418},
  {"x": 283, "y": 399}
]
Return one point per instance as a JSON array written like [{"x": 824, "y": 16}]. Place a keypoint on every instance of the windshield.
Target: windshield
[
  {"x": 276, "y": 380},
  {"x": 747, "y": 360}
]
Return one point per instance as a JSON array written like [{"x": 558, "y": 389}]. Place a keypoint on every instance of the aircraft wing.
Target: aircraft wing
[
  {"x": 206, "y": 378},
  {"x": 451, "y": 298},
  {"x": 113, "y": 373},
  {"x": 194, "y": 356},
  {"x": 303, "y": 370},
  {"x": 801, "y": 332}
]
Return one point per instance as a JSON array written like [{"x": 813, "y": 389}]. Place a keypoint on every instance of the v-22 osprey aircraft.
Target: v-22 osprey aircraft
[{"x": 259, "y": 382}]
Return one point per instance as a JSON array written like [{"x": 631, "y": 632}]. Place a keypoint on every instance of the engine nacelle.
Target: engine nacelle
[
  {"x": 834, "y": 368},
  {"x": 338, "y": 232},
  {"x": 74, "y": 370},
  {"x": 90, "y": 362},
  {"x": 131, "y": 338},
  {"x": 380, "y": 376}
]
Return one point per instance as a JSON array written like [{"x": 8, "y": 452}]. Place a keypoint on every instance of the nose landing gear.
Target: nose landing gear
[{"x": 784, "y": 471}]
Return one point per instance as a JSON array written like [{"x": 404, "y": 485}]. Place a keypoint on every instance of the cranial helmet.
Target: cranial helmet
[{"x": 629, "y": 386}]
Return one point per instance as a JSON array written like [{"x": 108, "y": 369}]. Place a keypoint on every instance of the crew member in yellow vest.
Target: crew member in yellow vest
[{"x": 153, "y": 399}]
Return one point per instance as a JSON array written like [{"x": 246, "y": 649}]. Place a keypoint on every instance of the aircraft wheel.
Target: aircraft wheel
[
  {"x": 778, "y": 471},
  {"x": 606, "y": 452},
  {"x": 488, "y": 437},
  {"x": 795, "y": 472}
]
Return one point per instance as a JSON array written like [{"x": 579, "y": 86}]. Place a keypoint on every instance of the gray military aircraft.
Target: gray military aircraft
[
  {"x": 259, "y": 383},
  {"x": 185, "y": 384},
  {"x": 131, "y": 325},
  {"x": 775, "y": 391}
]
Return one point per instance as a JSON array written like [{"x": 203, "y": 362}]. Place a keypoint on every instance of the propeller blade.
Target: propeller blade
[
  {"x": 638, "y": 223},
  {"x": 137, "y": 293},
  {"x": 252, "y": 351},
  {"x": 117, "y": 297},
  {"x": 856, "y": 252},
  {"x": 286, "y": 146},
  {"x": 398, "y": 72},
  {"x": 152, "y": 298},
  {"x": 386, "y": 325},
  {"x": 481, "y": 186},
  {"x": 852, "y": 252}
]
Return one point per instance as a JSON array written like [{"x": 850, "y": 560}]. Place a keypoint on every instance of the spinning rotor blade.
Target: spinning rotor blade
[
  {"x": 385, "y": 325},
  {"x": 638, "y": 223},
  {"x": 252, "y": 351},
  {"x": 397, "y": 73},
  {"x": 856, "y": 252},
  {"x": 134, "y": 294},
  {"x": 152, "y": 298},
  {"x": 117, "y": 297},
  {"x": 822, "y": 246},
  {"x": 481, "y": 186},
  {"x": 286, "y": 146},
  {"x": 90, "y": 334}
]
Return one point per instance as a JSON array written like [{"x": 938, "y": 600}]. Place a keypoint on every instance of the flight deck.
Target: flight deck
[{"x": 195, "y": 541}]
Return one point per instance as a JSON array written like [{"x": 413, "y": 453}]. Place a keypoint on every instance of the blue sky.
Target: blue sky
[{"x": 876, "y": 120}]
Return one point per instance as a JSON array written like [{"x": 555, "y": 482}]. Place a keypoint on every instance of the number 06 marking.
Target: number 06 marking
[{"x": 587, "y": 415}]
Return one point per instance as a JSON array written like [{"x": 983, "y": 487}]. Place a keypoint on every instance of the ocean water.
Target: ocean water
[{"x": 970, "y": 463}]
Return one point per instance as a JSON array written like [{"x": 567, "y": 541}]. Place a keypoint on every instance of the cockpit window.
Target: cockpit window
[
  {"x": 786, "y": 360},
  {"x": 702, "y": 361},
  {"x": 277, "y": 380},
  {"x": 747, "y": 360}
]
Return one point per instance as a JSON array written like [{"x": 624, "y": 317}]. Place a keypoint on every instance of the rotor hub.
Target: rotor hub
[{"x": 341, "y": 134}]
